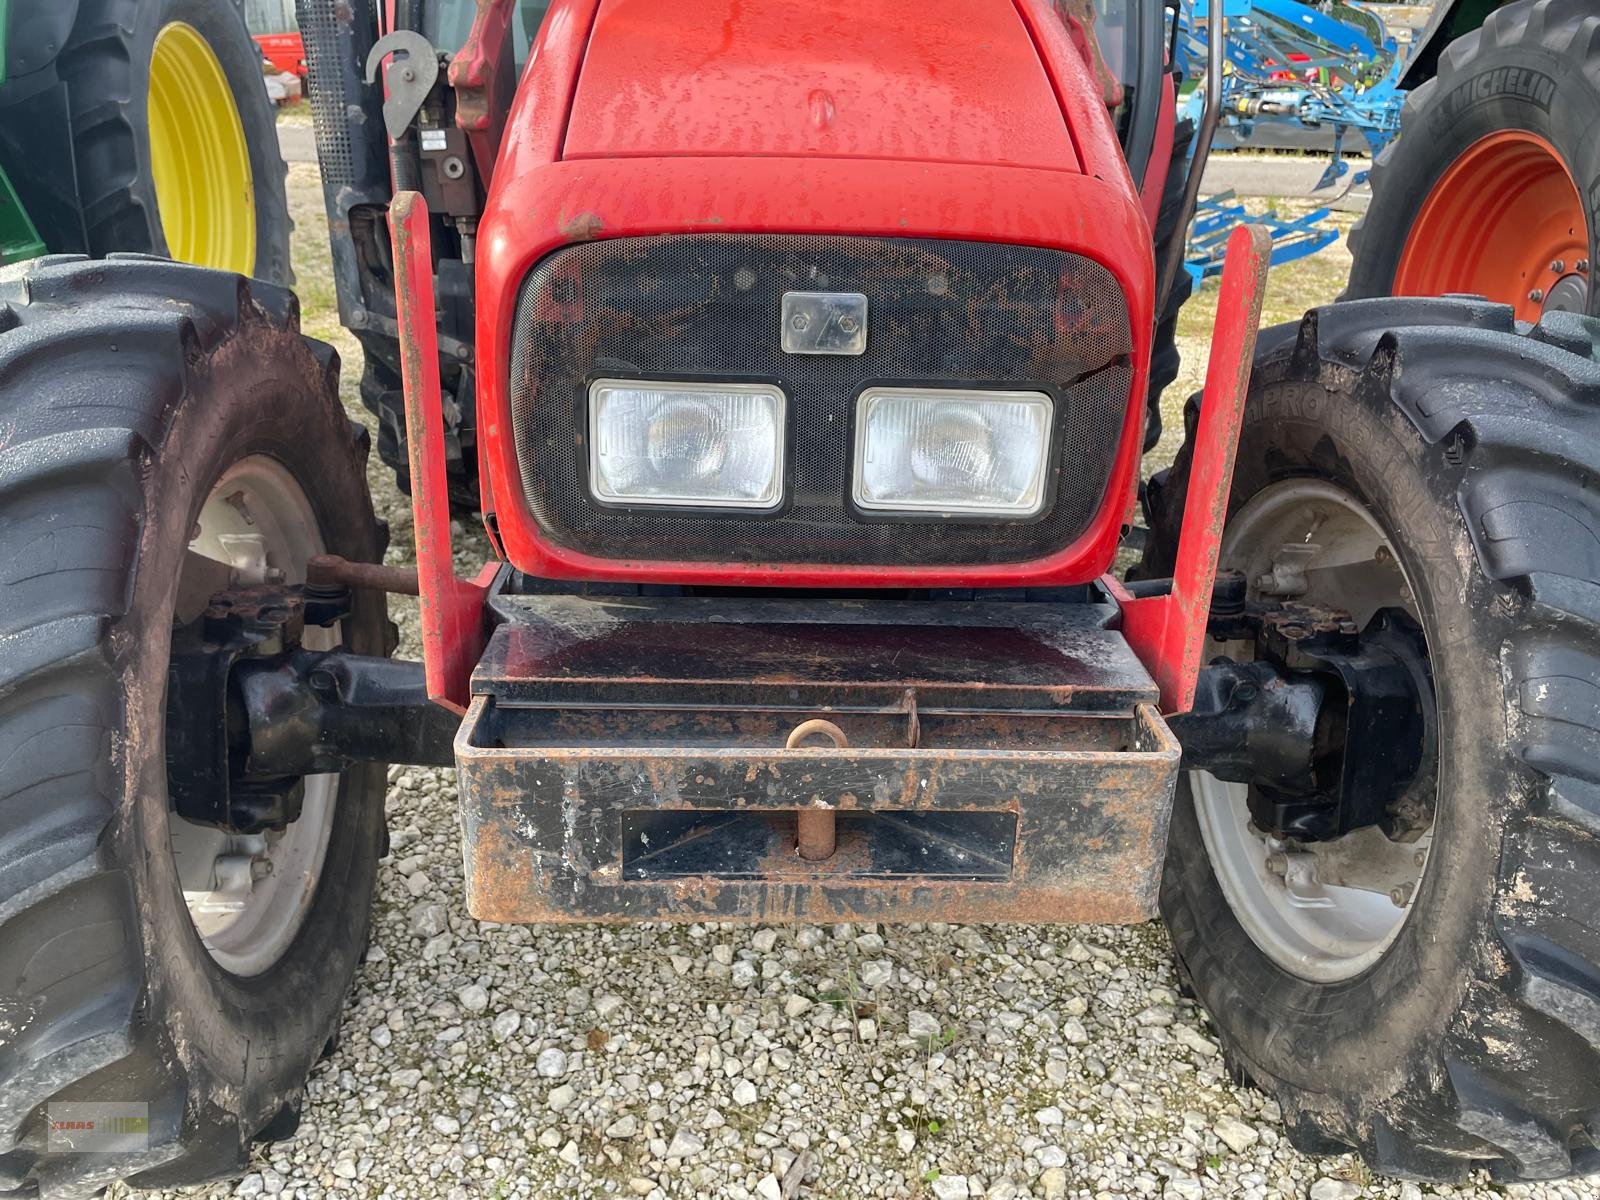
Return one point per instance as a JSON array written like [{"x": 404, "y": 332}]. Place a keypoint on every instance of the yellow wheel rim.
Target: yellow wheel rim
[{"x": 198, "y": 155}]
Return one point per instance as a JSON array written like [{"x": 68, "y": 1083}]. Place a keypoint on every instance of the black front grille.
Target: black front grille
[{"x": 707, "y": 307}]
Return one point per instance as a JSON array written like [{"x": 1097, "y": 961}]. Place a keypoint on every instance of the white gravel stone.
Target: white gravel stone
[
  {"x": 744, "y": 1093},
  {"x": 1235, "y": 1134},
  {"x": 551, "y": 1063},
  {"x": 922, "y": 1025},
  {"x": 1073, "y": 1032},
  {"x": 1333, "y": 1189},
  {"x": 505, "y": 1025},
  {"x": 769, "y": 1188},
  {"x": 876, "y": 973},
  {"x": 436, "y": 947},
  {"x": 446, "y": 1125},
  {"x": 430, "y": 919},
  {"x": 473, "y": 998},
  {"x": 626, "y": 1126},
  {"x": 1196, "y": 1041},
  {"x": 1049, "y": 1117},
  {"x": 251, "y": 1185},
  {"x": 561, "y": 1097},
  {"x": 606, "y": 1006},
  {"x": 794, "y": 1006},
  {"x": 905, "y": 1141},
  {"x": 686, "y": 1143},
  {"x": 950, "y": 1187}
]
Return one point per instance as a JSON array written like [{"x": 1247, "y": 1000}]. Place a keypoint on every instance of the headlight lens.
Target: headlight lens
[
  {"x": 698, "y": 445},
  {"x": 958, "y": 452}
]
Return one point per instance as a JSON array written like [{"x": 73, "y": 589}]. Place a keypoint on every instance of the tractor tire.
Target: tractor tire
[
  {"x": 175, "y": 139},
  {"x": 383, "y": 395},
  {"x": 1491, "y": 187},
  {"x": 136, "y": 395},
  {"x": 1164, "y": 358},
  {"x": 1471, "y": 1036}
]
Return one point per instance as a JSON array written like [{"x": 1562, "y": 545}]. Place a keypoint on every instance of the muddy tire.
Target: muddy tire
[
  {"x": 1494, "y": 178},
  {"x": 1472, "y": 1038},
  {"x": 107, "y": 65},
  {"x": 127, "y": 386}
]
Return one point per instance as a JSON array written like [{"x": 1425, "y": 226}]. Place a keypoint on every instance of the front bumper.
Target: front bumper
[{"x": 624, "y": 760}]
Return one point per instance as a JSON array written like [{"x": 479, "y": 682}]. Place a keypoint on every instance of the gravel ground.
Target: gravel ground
[{"x": 658, "y": 1061}]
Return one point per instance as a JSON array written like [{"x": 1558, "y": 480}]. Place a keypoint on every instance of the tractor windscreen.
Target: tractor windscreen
[{"x": 446, "y": 24}]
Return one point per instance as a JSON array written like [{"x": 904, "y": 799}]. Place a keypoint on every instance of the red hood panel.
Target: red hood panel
[{"x": 916, "y": 80}]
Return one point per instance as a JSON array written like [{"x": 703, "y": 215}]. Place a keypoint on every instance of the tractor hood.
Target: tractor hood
[{"x": 825, "y": 79}]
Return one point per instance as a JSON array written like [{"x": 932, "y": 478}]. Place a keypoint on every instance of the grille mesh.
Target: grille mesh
[
  {"x": 330, "y": 102},
  {"x": 706, "y": 307}
]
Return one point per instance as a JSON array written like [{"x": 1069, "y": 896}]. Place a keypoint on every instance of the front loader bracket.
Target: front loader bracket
[{"x": 1168, "y": 630}]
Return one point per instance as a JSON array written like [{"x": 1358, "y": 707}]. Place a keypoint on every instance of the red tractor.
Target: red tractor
[{"x": 809, "y": 349}]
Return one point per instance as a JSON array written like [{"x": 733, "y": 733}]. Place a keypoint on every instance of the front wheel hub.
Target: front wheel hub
[
  {"x": 1319, "y": 830},
  {"x": 248, "y": 889}
]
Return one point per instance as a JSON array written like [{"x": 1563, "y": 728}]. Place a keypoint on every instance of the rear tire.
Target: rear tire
[
  {"x": 1512, "y": 111},
  {"x": 1473, "y": 1039},
  {"x": 126, "y": 388},
  {"x": 106, "y": 64}
]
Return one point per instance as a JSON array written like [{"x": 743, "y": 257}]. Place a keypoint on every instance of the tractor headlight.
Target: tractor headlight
[
  {"x": 947, "y": 451},
  {"x": 694, "y": 445}
]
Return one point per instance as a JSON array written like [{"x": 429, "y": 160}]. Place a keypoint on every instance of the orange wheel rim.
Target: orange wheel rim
[{"x": 1506, "y": 221}]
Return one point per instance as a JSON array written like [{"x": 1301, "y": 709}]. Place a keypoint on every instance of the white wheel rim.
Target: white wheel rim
[
  {"x": 1296, "y": 903},
  {"x": 249, "y": 895}
]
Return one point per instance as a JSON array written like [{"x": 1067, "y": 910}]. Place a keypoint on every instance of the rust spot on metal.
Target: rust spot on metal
[
  {"x": 624, "y": 763},
  {"x": 582, "y": 227},
  {"x": 329, "y": 570},
  {"x": 1086, "y": 831}
]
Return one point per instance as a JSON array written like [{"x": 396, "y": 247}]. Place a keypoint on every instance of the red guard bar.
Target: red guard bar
[
  {"x": 1168, "y": 632},
  {"x": 451, "y": 609}
]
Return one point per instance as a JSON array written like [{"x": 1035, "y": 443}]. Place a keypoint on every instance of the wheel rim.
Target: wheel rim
[
  {"x": 248, "y": 895},
  {"x": 1506, "y": 221},
  {"x": 198, "y": 155},
  {"x": 1327, "y": 911}
]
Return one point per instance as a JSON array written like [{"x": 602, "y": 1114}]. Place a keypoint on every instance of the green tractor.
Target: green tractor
[{"x": 141, "y": 126}]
